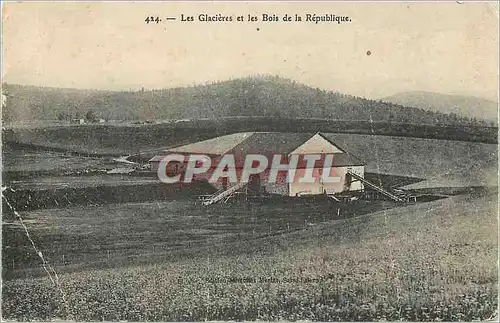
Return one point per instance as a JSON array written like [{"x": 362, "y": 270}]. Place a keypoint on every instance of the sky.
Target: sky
[{"x": 445, "y": 47}]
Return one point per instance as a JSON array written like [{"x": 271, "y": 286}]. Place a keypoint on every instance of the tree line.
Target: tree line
[{"x": 270, "y": 96}]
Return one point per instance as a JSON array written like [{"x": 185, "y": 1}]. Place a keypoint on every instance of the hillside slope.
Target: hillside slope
[
  {"x": 453, "y": 164},
  {"x": 251, "y": 96},
  {"x": 463, "y": 106}
]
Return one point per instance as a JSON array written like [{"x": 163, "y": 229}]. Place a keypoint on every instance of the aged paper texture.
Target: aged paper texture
[{"x": 231, "y": 161}]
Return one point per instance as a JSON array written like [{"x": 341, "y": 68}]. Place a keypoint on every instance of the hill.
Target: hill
[
  {"x": 463, "y": 106},
  {"x": 270, "y": 96}
]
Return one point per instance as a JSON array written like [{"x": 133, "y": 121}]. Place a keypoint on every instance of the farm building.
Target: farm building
[
  {"x": 77, "y": 121},
  {"x": 346, "y": 167}
]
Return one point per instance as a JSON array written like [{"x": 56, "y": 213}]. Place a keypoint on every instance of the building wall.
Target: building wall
[
  {"x": 319, "y": 186},
  {"x": 154, "y": 165},
  {"x": 316, "y": 145},
  {"x": 359, "y": 170},
  {"x": 292, "y": 189},
  {"x": 279, "y": 187},
  {"x": 172, "y": 167}
]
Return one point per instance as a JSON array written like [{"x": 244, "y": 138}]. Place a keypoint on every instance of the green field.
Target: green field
[{"x": 428, "y": 261}]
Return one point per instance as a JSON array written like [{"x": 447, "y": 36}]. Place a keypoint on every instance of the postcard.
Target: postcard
[{"x": 250, "y": 161}]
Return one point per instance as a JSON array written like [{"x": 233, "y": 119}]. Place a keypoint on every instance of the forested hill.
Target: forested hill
[
  {"x": 465, "y": 106},
  {"x": 251, "y": 96}
]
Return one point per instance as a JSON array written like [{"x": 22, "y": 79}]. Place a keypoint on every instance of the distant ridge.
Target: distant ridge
[
  {"x": 269, "y": 96},
  {"x": 464, "y": 106}
]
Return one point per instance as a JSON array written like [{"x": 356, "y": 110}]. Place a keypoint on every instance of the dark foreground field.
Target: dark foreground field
[
  {"x": 127, "y": 234},
  {"x": 428, "y": 261}
]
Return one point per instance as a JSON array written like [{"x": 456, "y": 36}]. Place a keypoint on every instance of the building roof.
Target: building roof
[
  {"x": 157, "y": 158},
  {"x": 271, "y": 143},
  {"x": 121, "y": 170},
  {"x": 215, "y": 146},
  {"x": 266, "y": 143},
  {"x": 346, "y": 159}
]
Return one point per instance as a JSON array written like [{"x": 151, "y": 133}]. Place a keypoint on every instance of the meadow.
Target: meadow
[
  {"x": 429, "y": 261},
  {"x": 30, "y": 160},
  {"x": 442, "y": 163}
]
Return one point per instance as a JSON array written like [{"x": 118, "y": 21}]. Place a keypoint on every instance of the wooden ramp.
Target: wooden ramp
[
  {"x": 376, "y": 188},
  {"x": 221, "y": 194},
  {"x": 332, "y": 196}
]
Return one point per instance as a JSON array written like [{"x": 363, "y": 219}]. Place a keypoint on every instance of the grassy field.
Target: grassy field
[
  {"x": 131, "y": 233},
  {"x": 29, "y": 160},
  {"x": 108, "y": 139},
  {"x": 429, "y": 261},
  {"x": 442, "y": 163},
  {"x": 56, "y": 182},
  {"x": 29, "y": 165},
  {"x": 454, "y": 163},
  {"x": 129, "y": 139}
]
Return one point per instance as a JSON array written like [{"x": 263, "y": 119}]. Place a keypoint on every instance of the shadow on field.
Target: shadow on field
[{"x": 129, "y": 234}]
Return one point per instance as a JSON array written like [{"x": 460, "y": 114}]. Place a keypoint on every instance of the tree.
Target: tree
[{"x": 91, "y": 116}]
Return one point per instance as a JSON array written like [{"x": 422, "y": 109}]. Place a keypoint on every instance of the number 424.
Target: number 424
[{"x": 152, "y": 19}]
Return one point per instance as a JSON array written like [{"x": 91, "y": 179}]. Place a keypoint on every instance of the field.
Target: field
[
  {"x": 161, "y": 230},
  {"x": 130, "y": 139},
  {"x": 442, "y": 163},
  {"x": 429, "y": 261},
  {"x": 29, "y": 160},
  {"x": 171, "y": 259},
  {"x": 458, "y": 163}
]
